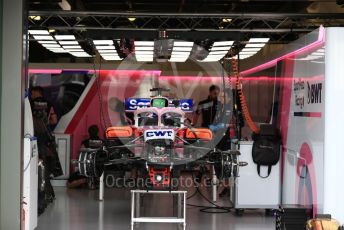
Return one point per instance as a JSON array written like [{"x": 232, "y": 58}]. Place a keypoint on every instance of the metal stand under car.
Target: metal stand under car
[{"x": 135, "y": 208}]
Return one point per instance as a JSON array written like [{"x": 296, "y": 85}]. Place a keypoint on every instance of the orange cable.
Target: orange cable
[{"x": 243, "y": 103}]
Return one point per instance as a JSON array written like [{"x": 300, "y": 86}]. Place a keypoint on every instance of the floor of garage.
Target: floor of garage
[{"x": 80, "y": 209}]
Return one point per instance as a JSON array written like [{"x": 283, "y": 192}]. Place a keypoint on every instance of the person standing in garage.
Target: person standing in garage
[
  {"x": 209, "y": 108},
  {"x": 43, "y": 116}
]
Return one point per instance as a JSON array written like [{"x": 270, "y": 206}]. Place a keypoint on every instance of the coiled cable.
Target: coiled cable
[{"x": 245, "y": 111}]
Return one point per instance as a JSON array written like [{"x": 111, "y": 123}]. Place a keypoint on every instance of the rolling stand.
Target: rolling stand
[{"x": 135, "y": 208}]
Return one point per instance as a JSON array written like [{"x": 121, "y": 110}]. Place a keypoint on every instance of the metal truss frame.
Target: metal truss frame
[{"x": 269, "y": 24}]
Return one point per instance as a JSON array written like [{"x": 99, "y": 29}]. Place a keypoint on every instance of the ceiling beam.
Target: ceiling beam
[{"x": 188, "y": 15}]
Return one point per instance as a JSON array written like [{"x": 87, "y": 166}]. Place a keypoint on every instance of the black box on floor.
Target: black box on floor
[{"x": 292, "y": 217}]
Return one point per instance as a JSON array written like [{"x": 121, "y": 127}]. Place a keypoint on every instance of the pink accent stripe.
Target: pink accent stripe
[
  {"x": 45, "y": 71},
  {"x": 321, "y": 39},
  {"x": 308, "y": 114}
]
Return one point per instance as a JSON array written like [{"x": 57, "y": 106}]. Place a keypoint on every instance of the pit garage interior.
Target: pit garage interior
[{"x": 228, "y": 112}]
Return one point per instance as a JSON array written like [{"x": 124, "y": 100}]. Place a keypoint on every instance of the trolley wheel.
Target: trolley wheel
[{"x": 239, "y": 212}]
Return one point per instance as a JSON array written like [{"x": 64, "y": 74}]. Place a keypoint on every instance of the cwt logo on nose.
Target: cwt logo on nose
[{"x": 159, "y": 134}]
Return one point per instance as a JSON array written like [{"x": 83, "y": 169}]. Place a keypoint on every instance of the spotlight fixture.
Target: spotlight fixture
[
  {"x": 131, "y": 19},
  {"x": 35, "y": 18},
  {"x": 226, "y": 20}
]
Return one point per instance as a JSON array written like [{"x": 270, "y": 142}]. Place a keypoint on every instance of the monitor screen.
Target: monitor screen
[{"x": 159, "y": 102}]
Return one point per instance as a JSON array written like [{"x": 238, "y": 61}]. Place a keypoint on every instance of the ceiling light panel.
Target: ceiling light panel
[
  {"x": 259, "y": 40},
  {"x": 244, "y": 56},
  {"x": 145, "y": 58},
  {"x": 105, "y": 47},
  {"x": 72, "y": 47},
  {"x": 51, "y": 45},
  {"x": 107, "y": 51},
  {"x": 176, "y": 48},
  {"x": 140, "y": 52},
  {"x": 218, "y": 51},
  {"x": 68, "y": 42},
  {"x": 109, "y": 54},
  {"x": 218, "y": 48},
  {"x": 69, "y": 45},
  {"x": 75, "y": 50},
  {"x": 39, "y": 32},
  {"x": 183, "y": 44},
  {"x": 181, "y": 51},
  {"x": 43, "y": 37},
  {"x": 144, "y": 48},
  {"x": 178, "y": 59},
  {"x": 224, "y": 43},
  {"x": 144, "y": 51},
  {"x": 144, "y": 43},
  {"x": 47, "y": 42},
  {"x": 80, "y": 54},
  {"x": 255, "y": 45},
  {"x": 58, "y": 50},
  {"x": 103, "y": 42},
  {"x": 212, "y": 58},
  {"x": 64, "y": 37}
]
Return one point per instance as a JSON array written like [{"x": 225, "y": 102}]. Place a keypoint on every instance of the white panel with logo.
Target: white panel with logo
[{"x": 303, "y": 169}]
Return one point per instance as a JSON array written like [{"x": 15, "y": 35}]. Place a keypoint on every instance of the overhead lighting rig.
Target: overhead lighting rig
[
  {"x": 107, "y": 50},
  {"x": 181, "y": 51},
  {"x": 144, "y": 51},
  {"x": 253, "y": 46},
  {"x": 59, "y": 43},
  {"x": 218, "y": 51}
]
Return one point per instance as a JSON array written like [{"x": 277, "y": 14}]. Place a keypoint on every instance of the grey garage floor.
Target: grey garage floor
[{"x": 80, "y": 210}]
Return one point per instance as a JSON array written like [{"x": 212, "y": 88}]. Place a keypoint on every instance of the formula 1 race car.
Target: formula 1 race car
[{"x": 160, "y": 144}]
